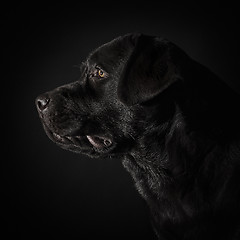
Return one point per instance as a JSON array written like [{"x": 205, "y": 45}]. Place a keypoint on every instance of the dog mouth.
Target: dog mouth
[
  {"x": 98, "y": 142},
  {"x": 95, "y": 140}
]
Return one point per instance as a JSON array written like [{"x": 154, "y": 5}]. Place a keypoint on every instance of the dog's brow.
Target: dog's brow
[
  {"x": 83, "y": 65},
  {"x": 83, "y": 68}
]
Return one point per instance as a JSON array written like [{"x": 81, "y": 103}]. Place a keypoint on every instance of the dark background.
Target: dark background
[{"x": 54, "y": 193}]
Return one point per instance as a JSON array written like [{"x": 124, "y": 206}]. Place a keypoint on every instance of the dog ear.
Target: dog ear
[{"x": 149, "y": 70}]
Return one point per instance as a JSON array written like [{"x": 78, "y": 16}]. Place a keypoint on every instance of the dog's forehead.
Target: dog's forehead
[{"x": 111, "y": 53}]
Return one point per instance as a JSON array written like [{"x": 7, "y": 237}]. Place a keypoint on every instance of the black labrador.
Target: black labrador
[{"x": 175, "y": 125}]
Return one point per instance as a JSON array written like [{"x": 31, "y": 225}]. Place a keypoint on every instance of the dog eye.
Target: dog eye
[{"x": 100, "y": 73}]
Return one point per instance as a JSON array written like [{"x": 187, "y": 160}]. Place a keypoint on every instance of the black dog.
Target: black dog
[{"x": 173, "y": 122}]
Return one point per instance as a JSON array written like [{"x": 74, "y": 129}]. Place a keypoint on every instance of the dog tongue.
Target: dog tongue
[{"x": 99, "y": 142}]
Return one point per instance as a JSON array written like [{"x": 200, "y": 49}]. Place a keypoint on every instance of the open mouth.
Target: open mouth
[
  {"x": 98, "y": 142},
  {"x": 94, "y": 140}
]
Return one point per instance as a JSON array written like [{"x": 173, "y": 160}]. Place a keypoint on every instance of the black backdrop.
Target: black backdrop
[{"x": 52, "y": 192}]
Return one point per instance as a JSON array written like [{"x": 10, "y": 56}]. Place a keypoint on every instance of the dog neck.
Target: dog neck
[{"x": 160, "y": 166}]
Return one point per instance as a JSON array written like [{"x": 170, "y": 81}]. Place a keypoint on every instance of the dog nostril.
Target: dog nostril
[{"x": 42, "y": 102}]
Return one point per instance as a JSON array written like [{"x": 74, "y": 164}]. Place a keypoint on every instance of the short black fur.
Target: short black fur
[{"x": 172, "y": 121}]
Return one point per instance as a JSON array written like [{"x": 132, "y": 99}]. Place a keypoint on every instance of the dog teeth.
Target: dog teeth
[
  {"x": 98, "y": 141},
  {"x": 78, "y": 137},
  {"x": 57, "y": 136},
  {"x": 60, "y": 138}
]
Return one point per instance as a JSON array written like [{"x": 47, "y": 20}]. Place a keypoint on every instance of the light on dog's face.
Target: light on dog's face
[
  {"x": 86, "y": 116},
  {"x": 68, "y": 121}
]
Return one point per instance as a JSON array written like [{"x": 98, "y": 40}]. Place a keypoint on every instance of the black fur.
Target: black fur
[{"x": 171, "y": 120}]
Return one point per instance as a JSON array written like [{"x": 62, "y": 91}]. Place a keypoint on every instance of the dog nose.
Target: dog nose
[{"x": 42, "y": 102}]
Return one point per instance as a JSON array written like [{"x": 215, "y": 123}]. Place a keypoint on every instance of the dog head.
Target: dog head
[{"x": 122, "y": 84}]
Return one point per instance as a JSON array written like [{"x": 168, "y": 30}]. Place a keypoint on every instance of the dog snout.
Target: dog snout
[{"x": 42, "y": 102}]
